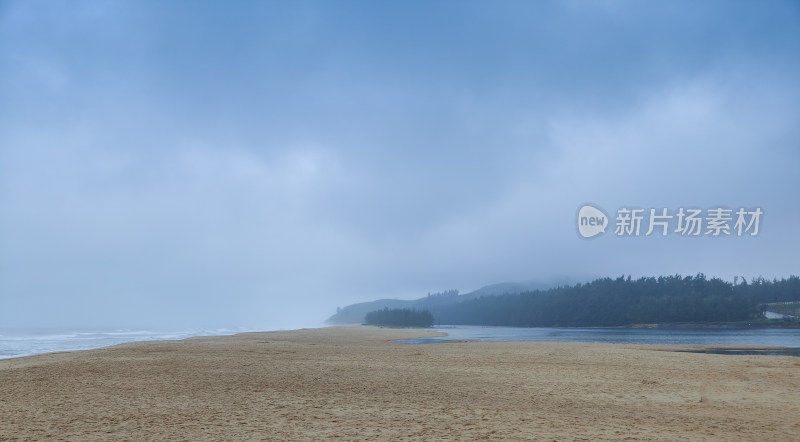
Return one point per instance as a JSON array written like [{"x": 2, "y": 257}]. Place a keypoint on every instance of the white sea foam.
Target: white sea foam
[{"x": 26, "y": 342}]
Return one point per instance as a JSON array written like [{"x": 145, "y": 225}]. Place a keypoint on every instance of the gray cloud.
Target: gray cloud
[{"x": 203, "y": 164}]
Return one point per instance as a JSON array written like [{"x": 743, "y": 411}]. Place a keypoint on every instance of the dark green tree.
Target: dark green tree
[{"x": 400, "y": 318}]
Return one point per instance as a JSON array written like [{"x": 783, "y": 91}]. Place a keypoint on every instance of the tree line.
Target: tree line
[
  {"x": 398, "y": 317},
  {"x": 624, "y": 301}
]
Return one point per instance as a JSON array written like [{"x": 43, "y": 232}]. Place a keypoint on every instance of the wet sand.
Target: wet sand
[{"x": 352, "y": 383}]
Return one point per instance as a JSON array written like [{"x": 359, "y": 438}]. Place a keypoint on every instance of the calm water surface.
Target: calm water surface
[{"x": 763, "y": 337}]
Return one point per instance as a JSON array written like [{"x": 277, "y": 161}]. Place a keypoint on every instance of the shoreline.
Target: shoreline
[
  {"x": 667, "y": 326},
  {"x": 24, "y": 342},
  {"x": 352, "y": 382},
  {"x": 718, "y": 326}
]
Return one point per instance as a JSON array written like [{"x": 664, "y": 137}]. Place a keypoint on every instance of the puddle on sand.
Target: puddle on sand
[{"x": 747, "y": 351}]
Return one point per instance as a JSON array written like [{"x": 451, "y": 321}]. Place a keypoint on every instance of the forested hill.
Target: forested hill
[
  {"x": 613, "y": 302},
  {"x": 625, "y": 301},
  {"x": 354, "y": 313}
]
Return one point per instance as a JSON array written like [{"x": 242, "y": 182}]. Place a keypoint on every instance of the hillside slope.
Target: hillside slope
[{"x": 354, "y": 313}]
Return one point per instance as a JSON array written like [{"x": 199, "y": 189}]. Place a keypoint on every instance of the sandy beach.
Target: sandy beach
[{"x": 353, "y": 383}]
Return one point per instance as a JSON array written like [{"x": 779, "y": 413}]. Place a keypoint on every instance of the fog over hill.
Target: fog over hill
[
  {"x": 607, "y": 302},
  {"x": 354, "y": 313}
]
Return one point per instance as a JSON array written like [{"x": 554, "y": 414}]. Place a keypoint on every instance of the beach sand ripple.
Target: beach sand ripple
[{"x": 353, "y": 383}]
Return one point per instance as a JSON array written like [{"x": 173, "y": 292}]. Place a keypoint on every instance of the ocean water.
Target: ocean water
[
  {"x": 26, "y": 342},
  {"x": 763, "y": 337}
]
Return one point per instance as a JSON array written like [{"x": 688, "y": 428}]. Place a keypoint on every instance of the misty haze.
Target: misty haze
[{"x": 507, "y": 171}]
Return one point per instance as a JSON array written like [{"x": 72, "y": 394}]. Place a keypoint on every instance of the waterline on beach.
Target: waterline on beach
[
  {"x": 16, "y": 343},
  {"x": 761, "y": 337}
]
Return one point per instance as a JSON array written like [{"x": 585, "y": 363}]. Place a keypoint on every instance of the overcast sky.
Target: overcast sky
[{"x": 258, "y": 164}]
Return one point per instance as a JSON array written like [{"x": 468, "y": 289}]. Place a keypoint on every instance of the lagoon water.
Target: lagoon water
[
  {"x": 26, "y": 342},
  {"x": 762, "y": 337}
]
